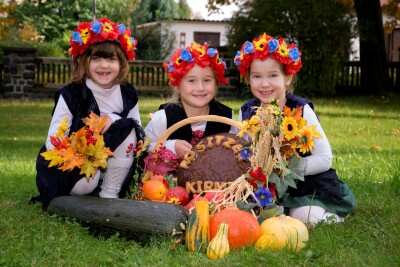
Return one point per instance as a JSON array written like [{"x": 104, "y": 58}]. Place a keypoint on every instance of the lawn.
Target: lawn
[{"x": 364, "y": 133}]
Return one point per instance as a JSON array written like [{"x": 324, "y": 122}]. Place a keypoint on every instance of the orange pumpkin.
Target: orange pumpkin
[{"x": 244, "y": 228}]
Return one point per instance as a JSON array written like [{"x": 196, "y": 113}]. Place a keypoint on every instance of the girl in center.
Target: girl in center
[{"x": 194, "y": 74}]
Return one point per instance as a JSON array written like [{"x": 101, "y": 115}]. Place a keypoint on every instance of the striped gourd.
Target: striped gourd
[{"x": 197, "y": 234}]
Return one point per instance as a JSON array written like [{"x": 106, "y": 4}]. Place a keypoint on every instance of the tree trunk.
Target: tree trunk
[
  {"x": 374, "y": 68},
  {"x": 124, "y": 215}
]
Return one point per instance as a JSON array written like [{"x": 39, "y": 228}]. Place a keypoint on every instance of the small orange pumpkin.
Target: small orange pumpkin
[{"x": 244, "y": 228}]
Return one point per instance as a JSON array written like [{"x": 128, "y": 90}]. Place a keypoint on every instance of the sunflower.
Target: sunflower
[
  {"x": 306, "y": 141},
  {"x": 251, "y": 125},
  {"x": 289, "y": 128}
]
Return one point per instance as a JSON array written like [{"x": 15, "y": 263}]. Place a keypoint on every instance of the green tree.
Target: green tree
[
  {"x": 155, "y": 43},
  {"x": 322, "y": 30},
  {"x": 57, "y": 19}
]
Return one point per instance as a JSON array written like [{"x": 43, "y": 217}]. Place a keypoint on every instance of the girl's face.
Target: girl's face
[
  {"x": 268, "y": 80},
  {"x": 197, "y": 88},
  {"x": 104, "y": 71}
]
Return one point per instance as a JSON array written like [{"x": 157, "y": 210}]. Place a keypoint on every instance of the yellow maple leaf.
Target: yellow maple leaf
[
  {"x": 63, "y": 128},
  {"x": 88, "y": 169},
  {"x": 96, "y": 156},
  {"x": 95, "y": 122},
  {"x": 53, "y": 156}
]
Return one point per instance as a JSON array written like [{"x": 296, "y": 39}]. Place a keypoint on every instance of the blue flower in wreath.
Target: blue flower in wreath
[
  {"x": 273, "y": 45},
  {"x": 186, "y": 55},
  {"x": 264, "y": 196},
  {"x": 294, "y": 54},
  {"x": 248, "y": 48},
  {"x": 245, "y": 153},
  {"x": 212, "y": 52}
]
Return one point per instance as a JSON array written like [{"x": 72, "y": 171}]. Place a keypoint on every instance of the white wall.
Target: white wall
[{"x": 191, "y": 26}]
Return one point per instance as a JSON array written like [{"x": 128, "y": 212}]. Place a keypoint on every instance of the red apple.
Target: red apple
[
  {"x": 196, "y": 198},
  {"x": 180, "y": 194}
]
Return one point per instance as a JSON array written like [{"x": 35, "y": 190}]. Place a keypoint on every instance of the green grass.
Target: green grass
[{"x": 367, "y": 157}]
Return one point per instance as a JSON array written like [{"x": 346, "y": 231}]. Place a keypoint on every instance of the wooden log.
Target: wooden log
[{"x": 124, "y": 215}]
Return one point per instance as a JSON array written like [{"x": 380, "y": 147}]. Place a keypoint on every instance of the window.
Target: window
[{"x": 211, "y": 38}]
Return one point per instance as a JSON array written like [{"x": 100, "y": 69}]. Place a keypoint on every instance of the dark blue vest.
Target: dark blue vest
[{"x": 52, "y": 182}]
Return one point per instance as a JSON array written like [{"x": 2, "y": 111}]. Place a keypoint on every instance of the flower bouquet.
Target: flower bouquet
[
  {"x": 84, "y": 149},
  {"x": 274, "y": 151}
]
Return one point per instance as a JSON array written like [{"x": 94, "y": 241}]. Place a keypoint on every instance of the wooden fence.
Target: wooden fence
[{"x": 149, "y": 77}]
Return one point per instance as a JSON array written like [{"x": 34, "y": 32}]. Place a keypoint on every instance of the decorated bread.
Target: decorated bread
[{"x": 212, "y": 162}]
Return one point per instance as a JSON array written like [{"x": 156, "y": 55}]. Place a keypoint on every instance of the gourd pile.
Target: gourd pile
[{"x": 231, "y": 228}]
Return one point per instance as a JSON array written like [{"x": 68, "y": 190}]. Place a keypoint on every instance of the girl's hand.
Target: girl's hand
[
  {"x": 181, "y": 147},
  {"x": 109, "y": 121}
]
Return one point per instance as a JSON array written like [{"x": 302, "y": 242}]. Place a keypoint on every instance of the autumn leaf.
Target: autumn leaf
[
  {"x": 95, "y": 122},
  {"x": 53, "y": 156},
  {"x": 71, "y": 159},
  {"x": 88, "y": 169},
  {"x": 63, "y": 129},
  {"x": 378, "y": 148}
]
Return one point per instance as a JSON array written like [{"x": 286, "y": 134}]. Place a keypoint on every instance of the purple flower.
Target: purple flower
[{"x": 264, "y": 196}]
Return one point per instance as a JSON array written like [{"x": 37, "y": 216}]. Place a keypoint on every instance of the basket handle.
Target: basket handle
[{"x": 195, "y": 119}]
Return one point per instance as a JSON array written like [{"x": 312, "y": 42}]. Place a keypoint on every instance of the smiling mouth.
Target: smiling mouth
[
  {"x": 265, "y": 93},
  {"x": 103, "y": 73}
]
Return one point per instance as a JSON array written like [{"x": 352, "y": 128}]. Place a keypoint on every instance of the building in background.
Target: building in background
[{"x": 186, "y": 31}]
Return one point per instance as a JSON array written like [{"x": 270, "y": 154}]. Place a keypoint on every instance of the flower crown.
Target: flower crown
[
  {"x": 265, "y": 46},
  {"x": 183, "y": 60},
  {"x": 102, "y": 30}
]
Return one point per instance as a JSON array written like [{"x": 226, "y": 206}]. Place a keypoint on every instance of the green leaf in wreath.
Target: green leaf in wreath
[
  {"x": 245, "y": 206},
  {"x": 270, "y": 211}
]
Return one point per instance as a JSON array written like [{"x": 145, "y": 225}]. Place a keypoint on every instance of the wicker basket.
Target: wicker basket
[{"x": 196, "y": 119}]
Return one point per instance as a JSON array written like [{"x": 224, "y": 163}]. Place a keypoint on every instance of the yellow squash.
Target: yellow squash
[
  {"x": 282, "y": 232},
  {"x": 219, "y": 245},
  {"x": 197, "y": 234}
]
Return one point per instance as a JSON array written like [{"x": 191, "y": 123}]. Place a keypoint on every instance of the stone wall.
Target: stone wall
[{"x": 19, "y": 71}]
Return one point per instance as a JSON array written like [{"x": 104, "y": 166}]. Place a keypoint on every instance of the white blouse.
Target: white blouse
[{"x": 108, "y": 100}]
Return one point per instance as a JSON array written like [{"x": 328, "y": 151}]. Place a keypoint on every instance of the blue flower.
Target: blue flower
[
  {"x": 236, "y": 60},
  {"x": 294, "y": 54},
  {"x": 273, "y": 45},
  {"x": 171, "y": 66},
  {"x": 96, "y": 27},
  {"x": 76, "y": 37},
  {"x": 223, "y": 62},
  {"x": 245, "y": 153},
  {"x": 186, "y": 55},
  {"x": 264, "y": 196},
  {"x": 248, "y": 48},
  {"x": 121, "y": 28},
  {"x": 212, "y": 52}
]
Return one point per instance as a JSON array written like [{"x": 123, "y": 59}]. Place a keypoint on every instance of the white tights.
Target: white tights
[{"x": 314, "y": 214}]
